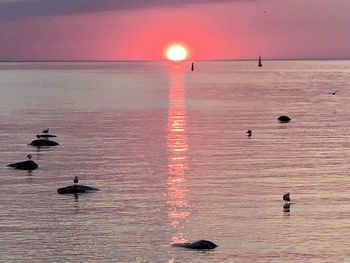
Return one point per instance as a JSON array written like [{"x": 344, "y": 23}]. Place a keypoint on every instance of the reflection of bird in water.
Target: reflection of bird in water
[
  {"x": 249, "y": 132},
  {"x": 286, "y": 197},
  {"x": 286, "y": 208},
  {"x": 29, "y": 156},
  {"x": 76, "y": 179},
  {"x": 46, "y": 131}
]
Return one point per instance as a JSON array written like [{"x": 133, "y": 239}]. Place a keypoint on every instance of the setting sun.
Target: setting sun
[{"x": 176, "y": 53}]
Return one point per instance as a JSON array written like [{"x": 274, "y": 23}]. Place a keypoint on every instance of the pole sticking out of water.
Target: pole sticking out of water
[{"x": 192, "y": 67}]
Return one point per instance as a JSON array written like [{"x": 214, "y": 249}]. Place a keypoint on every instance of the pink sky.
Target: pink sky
[{"x": 118, "y": 30}]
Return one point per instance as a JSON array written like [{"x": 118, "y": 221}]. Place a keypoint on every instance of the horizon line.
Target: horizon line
[{"x": 163, "y": 60}]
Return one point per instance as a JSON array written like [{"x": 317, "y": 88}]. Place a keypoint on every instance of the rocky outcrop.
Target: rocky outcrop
[
  {"x": 26, "y": 165},
  {"x": 200, "y": 244},
  {"x": 43, "y": 142},
  {"x": 284, "y": 118},
  {"x": 76, "y": 189}
]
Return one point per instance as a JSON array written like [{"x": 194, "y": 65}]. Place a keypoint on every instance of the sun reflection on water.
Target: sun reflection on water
[{"x": 177, "y": 145}]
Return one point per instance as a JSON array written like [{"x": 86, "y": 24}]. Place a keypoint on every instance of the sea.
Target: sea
[{"x": 168, "y": 149}]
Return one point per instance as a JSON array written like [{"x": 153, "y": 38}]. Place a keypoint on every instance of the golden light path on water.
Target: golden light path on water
[{"x": 177, "y": 146}]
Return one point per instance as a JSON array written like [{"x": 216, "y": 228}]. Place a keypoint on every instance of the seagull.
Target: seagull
[
  {"x": 76, "y": 179},
  {"x": 249, "y": 133},
  {"x": 29, "y": 156},
  {"x": 46, "y": 131},
  {"x": 286, "y": 198}
]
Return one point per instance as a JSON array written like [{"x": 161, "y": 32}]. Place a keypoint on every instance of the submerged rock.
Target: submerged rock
[
  {"x": 284, "y": 118},
  {"x": 43, "y": 142},
  {"x": 76, "y": 189},
  {"x": 26, "y": 165},
  {"x": 200, "y": 244}
]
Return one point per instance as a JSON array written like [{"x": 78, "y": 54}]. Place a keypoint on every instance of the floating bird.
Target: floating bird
[
  {"x": 249, "y": 132},
  {"x": 76, "y": 179},
  {"x": 29, "y": 156},
  {"x": 286, "y": 198},
  {"x": 46, "y": 131},
  {"x": 333, "y": 93}
]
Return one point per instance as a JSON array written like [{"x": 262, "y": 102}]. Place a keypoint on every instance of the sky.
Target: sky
[{"x": 143, "y": 29}]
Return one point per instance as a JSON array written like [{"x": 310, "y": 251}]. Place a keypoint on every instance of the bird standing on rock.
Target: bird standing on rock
[{"x": 76, "y": 179}]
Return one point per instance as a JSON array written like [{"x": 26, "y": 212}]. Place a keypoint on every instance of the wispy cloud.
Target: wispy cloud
[{"x": 11, "y": 10}]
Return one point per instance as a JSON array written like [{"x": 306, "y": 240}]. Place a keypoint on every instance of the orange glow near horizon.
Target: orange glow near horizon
[{"x": 176, "y": 53}]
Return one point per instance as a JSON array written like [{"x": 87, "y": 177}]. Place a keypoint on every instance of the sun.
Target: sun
[{"x": 176, "y": 53}]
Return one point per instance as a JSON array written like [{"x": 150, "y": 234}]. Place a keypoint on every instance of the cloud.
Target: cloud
[{"x": 12, "y": 10}]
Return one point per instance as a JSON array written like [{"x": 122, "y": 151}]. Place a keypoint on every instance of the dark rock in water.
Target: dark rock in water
[
  {"x": 76, "y": 189},
  {"x": 201, "y": 244},
  {"x": 45, "y": 136},
  {"x": 284, "y": 118},
  {"x": 43, "y": 142},
  {"x": 26, "y": 165}
]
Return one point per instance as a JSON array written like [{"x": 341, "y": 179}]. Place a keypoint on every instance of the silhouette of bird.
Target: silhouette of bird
[
  {"x": 46, "y": 131},
  {"x": 29, "y": 156},
  {"x": 76, "y": 179},
  {"x": 286, "y": 197},
  {"x": 333, "y": 93},
  {"x": 249, "y": 133}
]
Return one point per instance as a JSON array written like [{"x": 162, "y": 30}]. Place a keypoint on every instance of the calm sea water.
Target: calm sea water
[{"x": 168, "y": 149}]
